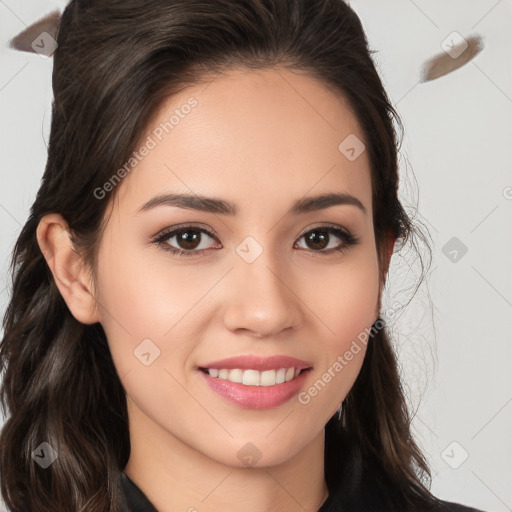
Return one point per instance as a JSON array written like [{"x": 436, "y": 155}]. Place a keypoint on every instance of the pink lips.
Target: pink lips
[{"x": 256, "y": 397}]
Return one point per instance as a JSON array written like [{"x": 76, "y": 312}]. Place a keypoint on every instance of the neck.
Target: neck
[{"x": 174, "y": 476}]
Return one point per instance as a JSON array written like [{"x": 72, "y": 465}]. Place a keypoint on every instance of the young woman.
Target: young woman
[{"x": 195, "y": 322}]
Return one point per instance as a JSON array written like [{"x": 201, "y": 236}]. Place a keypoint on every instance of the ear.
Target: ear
[{"x": 68, "y": 269}]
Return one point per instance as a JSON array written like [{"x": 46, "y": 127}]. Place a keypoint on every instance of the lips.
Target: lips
[{"x": 256, "y": 382}]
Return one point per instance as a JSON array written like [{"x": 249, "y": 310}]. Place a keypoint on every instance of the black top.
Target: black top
[{"x": 367, "y": 499}]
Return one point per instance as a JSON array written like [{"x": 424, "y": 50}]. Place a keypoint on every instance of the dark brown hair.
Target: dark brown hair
[{"x": 116, "y": 61}]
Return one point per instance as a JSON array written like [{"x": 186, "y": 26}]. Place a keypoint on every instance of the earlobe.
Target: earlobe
[{"x": 67, "y": 267}]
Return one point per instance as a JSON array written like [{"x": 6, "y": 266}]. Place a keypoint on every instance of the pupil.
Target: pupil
[
  {"x": 322, "y": 238},
  {"x": 188, "y": 242}
]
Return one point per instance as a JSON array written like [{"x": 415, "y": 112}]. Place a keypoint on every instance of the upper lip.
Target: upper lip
[{"x": 253, "y": 362}]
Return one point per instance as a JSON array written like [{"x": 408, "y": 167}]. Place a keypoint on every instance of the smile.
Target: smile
[
  {"x": 255, "y": 382},
  {"x": 254, "y": 377}
]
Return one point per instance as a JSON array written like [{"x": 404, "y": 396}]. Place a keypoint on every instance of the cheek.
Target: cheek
[
  {"x": 145, "y": 298},
  {"x": 347, "y": 308},
  {"x": 146, "y": 295},
  {"x": 342, "y": 349},
  {"x": 345, "y": 297}
]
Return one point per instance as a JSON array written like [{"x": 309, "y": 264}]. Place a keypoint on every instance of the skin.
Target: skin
[{"x": 261, "y": 139}]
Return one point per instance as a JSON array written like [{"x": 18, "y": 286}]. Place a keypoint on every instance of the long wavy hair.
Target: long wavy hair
[{"x": 116, "y": 61}]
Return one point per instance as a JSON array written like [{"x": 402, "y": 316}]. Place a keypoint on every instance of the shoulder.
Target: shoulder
[
  {"x": 450, "y": 506},
  {"x": 369, "y": 489}
]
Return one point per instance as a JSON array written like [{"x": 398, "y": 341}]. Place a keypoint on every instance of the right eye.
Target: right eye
[{"x": 188, "y": 238}]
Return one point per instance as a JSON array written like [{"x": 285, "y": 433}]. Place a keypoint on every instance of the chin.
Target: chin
[{"x": 259, "y": 452}]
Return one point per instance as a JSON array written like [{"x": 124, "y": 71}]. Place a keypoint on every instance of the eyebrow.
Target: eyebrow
[{"x": 220, "y": 206}]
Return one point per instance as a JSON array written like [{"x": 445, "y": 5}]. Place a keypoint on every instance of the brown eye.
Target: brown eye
[
  {"x": 319, "y": 239},
  {"x": 189, "y": 241}
]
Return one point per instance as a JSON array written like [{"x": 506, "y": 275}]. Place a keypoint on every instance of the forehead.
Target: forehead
[{"x": 250, "y": 135}]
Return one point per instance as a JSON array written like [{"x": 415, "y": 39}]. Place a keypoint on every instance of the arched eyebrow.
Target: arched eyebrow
[{"x": 221, "y": 206}]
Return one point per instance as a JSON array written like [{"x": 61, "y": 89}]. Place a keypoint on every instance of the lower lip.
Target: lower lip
[{"x": 256, "y": 397}]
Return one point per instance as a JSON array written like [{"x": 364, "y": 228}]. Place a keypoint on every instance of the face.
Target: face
[{"x": 193, "y": 291}]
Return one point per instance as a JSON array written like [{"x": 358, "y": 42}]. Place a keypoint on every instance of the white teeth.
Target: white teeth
[
  {"x": 268, "y": 378},
  {"x": 254, "y": 377},
  {"x": 251, "y": 378},
  {"x": 236, "y": 375},
  {"x": 290, "y": 373}
]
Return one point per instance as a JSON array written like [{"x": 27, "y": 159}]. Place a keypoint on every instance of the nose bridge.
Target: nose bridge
[{"x": 262, "y": 300}]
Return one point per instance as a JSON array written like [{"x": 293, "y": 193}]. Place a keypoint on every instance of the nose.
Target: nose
[{"x": 262, "y": 299}]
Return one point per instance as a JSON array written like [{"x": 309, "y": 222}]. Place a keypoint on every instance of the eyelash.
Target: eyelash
[{"x": 348, "y": 239}]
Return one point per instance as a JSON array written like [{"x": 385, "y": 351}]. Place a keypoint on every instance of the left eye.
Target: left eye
[
  {"x": 321, "y": 237},
  {"x": 190, "y": 240}
]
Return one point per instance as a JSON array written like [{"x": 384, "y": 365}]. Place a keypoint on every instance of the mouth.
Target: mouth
[
  {"x": 253, "y": 377},
  {"x": 254, "y": 382}
]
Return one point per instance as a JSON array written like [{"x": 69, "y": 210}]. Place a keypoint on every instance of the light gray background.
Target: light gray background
[{"x": 454, "y": 338}]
